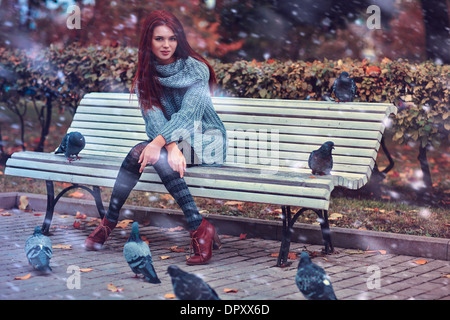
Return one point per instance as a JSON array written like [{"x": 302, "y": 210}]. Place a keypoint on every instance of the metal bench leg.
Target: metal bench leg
[
  {"x": 288, "y": 223},
  {"x": 50, "y": 207},
  {"x": 325, "y": 227},
  {"x": 51, "y": 202}
]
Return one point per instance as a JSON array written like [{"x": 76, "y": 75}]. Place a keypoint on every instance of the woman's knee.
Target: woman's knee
[{"x": 131, "y": 161}]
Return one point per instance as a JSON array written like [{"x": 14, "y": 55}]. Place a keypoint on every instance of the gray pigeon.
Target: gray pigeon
[
  {"x": 38, "y": 249},
  {"x": 312, "y": 280},
  {"x": 71, "y": 145},
  {"x": 321, "y": 160},
  {"x": 138, "y": 256},
  {"x": 188, "y": 286},
  {"x": 344, "y": 88}
]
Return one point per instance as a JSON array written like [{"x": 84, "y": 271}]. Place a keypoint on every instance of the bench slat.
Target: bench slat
[
  {"x": 243, "y": 110},
  {"x": 123, "y": 100},
  {"x": 242, "y": 136}
]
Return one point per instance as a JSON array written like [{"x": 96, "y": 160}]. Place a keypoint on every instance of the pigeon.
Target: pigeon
[
  {"x": 138, "y": 256},
  {"x": 344, "y": 88},
  {"x": 38, "y": 249},
  {"x": 321, "y": 160},
  {"x": 312, "y": 280},
  {"x": 188, "y": 286},
  {"x": 71, "y": 145}
]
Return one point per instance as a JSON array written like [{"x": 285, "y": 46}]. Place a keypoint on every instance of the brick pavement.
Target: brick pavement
[{"x": 242, "y": 264}]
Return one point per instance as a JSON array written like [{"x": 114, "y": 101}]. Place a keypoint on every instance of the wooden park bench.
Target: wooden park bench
[{"x": 269, "y": 144}]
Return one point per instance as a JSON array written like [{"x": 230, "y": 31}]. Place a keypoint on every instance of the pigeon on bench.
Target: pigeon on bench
[
  {"x": 71, "y": 145},
  {"x": 138, "y": 256},
  {"x": 188, "y": 286},
  {"x": 344, "y": 88},
  {"x": 321, "y": 161},
  {"x": 312, "y": 281},
  {"x": 38, "y": 249}
]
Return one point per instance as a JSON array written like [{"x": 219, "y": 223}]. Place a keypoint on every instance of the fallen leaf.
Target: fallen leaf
[
  {"x": 5, "y": 214},
  {"x": 113, "y": 288},
  {"x": 203, "y": 211},
  {"x": 175, "y": 249},
  {"x": 37, "y": 214},
  {"x": 228, "y": 290},
  {"x": 420, "y": 261},
  {"x": 312, "y": 177},
  {"x": 62, "y": 246},
  {"x": 80, "y": 215},
  {"x": 375, "y": 251},
  {"x": 292, "y": 255},
  {"x": 445, "y": 276},
  {"x": 354, "y": 251},
  {"x": 335, "y": 216},
  {"x": 64, "y": 216},
  {"x": 86, "y": 270},
  {"x": 124, "y": 223},
  {"x": 164, "y": 257},
  {"x": 76, "y": 194},
  {"x": 179, "y": 228},
  {"x": 28, "y": 276},
  {"x": 23, "y": 202},
  {"x": 233, "y": 203},
  {"x": 77, "y": 224},
  {"x": 243, "y": 236},
  {"x": 170, "y": 296}
]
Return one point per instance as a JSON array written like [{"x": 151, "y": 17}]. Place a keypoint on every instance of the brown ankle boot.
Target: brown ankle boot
[
  {"x": 202, "y": 241},
  {"x": 98, "y": 237}
]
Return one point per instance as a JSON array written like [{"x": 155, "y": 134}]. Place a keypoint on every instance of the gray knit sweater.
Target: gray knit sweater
[{"x": 189, "y": 113}]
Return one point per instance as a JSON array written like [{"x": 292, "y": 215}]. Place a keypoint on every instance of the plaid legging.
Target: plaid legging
[{"x": 129, "y": 176}]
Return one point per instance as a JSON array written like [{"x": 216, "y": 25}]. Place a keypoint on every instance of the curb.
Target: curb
[{"x": 427, "y": 247}]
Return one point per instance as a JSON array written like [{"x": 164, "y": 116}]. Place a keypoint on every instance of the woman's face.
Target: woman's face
[{"x": 164, "y": 44}]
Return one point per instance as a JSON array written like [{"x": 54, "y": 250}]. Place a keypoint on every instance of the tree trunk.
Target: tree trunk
[
  {"x": 425, "y": 167},
  {"x": 45, "y": 124},
  {"x": 436, "y": 20}
]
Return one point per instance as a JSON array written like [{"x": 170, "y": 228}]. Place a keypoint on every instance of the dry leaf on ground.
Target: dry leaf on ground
[
  {"x": 113, "y": 288},
  {"x": 23, "y": 202},
  {"x": 420, "y": 261},
  {"x": 80, "y": 215},
  {"x": 175, "y": 249},
  {"x": 233, "y": 203},
  {"x": 86, "y": 270},
  {"x": 5, "y": 214},
  {"x": 164, "y": 257},
  {"x": 124, "y": 223},
  {"x": 179, "y": 228},
  {"x": 169, "y": 296},
  {"x": 76, "y": 194},
  {"x": 243, "y": 236},
  {"x": 28, "y": 276},
  {"x": 375, "y": 251},
  {"x": 229, "y": 290},
  {"x": 62, "y": 246}
]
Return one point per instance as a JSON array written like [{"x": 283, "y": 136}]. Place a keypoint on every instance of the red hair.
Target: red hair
[{"x": 146, "y": 79}]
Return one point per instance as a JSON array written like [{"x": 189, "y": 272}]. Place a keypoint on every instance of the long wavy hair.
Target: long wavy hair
[{"x": 146, "y": 78}]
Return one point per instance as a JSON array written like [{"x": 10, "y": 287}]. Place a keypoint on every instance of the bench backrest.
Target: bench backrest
[{"x": 262, "y": 132}]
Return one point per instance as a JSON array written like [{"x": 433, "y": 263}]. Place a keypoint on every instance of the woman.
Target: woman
[{"x": 173, "y": 85}]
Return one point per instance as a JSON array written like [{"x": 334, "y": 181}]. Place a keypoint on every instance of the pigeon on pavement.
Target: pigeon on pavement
[
  {"x": 312, "y": 281},
  {"x": 344, "y": 88},
  {"x": 138, "y": 256},
  {"x": 188, "y": 286},
  {"x": 321, "y": 160},
  {"x": 71, "y": 145},
  {"x": 38, "y": 249}
]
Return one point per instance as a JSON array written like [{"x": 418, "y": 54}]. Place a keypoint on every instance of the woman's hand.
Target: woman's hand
[
  {"x": 176, "y": 159},
  {"x": 151, "y": 153}
]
